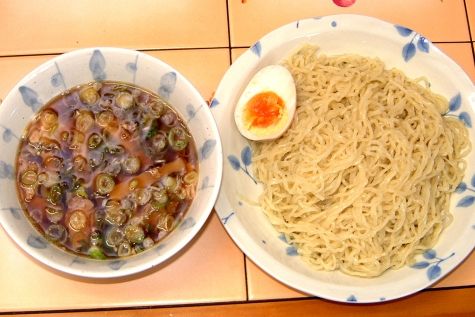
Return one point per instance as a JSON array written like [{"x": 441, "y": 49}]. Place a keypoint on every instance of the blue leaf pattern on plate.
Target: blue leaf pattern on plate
[
  {"x": 190, "y": 111},
  {"x": 187, "y": 223},
  {"x": 291, "y": 251},
  {"x": 78, "y": 260},
  {"x": 214, "y": 102},
  {"x": 256, "y": 48},
  {"x": 434, "y": 272},
  {"x": 36, "y": 242},
  {"x": 429, "y": 254},
  {"x": 472, "y": 181},
  {"x": 352, "y": 298},
  {"x": 461, "y": 188},
  {"x": 160, "y": 247},
  {"x": 207, "y": 148},
  {"x": 30, "y": 97},
  {"x": 205, "y": 182},
  {"x": 234, "y": 161},
  {"x": 333, "y": 24},
  {"x": 246, "y": 156},
  {"x": 226, "y": 219},
  {"x": 466, "y": 201},
  {"x": 283, "y": 237},
  {"x": 97, "y": 65},
  {"x": 116, "y": 265},
  {"x": 465, "y": 117},
  {"x": 408, "y": 51},
  {"x": 423, "y": 44},
  {"x": 15, "y": 212},
  {"x": 7, "y": 135},
  {"x": 402, "y": 30},
  {"x": 132, "y": 67},
  {"x": 420, "y": 265},
  {"x": 433, "y": 268},
  {"x": 6, "y": 170},
  {"x": 167, "y": 85},
  {"x": 455, "y": 102},
  {"x": 57, "y": 79}
]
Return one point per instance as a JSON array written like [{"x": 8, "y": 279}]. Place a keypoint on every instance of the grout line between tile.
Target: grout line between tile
[
  {"x": 140, "y": 50},
  {"x": 225, "y": 303},
  {"x": 469, "y": 30},
  {"x": 229, "y": 33},
  {"x": 245, "y": 275}
]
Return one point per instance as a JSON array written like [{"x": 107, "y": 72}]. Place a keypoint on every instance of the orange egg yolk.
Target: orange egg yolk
[{"x": 263, "y": 110}]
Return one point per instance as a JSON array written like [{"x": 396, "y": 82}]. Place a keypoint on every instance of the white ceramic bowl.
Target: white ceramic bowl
[
  {"x": 236, "y": 205},
  {"x": 79, "y": 67}
]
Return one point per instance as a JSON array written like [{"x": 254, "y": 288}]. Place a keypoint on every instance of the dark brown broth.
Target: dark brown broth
[{"x": 97, "y": 221}]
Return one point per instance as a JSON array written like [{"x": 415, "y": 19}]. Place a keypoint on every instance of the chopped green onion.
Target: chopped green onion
[
  {"x": 56, "y": 232},
  {"x": 84, "y": 120},
  {"x": 115, "y": 149},
  {"x": 96, "y": 253},
  {"x": 105, "y": 118},
  {"x": 191, "y": 178},
  {"x": 148, "y": 243},
  {"x": 114, "y": 237},
  {"x": 48, "y": 119},
  {"x": 160, "y": 199},
  {"x": 134, "y": 233},
  {"x": 94, "y": 141},
  {"x": 89, "y": 95},
  {"x": 55, "y": 194},
  {"x": 79, "y": 163},
  {"x": 159, "y": 141},
  {"x": 104, "y": 183},
  {"x": 165, "y": 221},
  {"x": 124, "y": 100},
  {"x": 53, "y": 215},
  {"x": 131, "y": 165},
  {"x": 177, "y": 138},
  {"x": 29, "y": 178},
  {"x": 124, "y": 249}
]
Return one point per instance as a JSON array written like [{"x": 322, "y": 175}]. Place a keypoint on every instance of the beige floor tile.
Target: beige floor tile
[
  {"x": 55, "y": 26},
  {"x": 437, "y": 20},
  {"x": 260, "y": 285},
  {"x": 210, "y": 270}
]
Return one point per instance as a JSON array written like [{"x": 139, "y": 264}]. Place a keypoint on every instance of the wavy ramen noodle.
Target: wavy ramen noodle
[{"x": 361, "y": 181}]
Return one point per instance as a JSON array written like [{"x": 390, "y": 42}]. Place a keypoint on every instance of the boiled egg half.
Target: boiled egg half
[{"x": 267, "y": 105}]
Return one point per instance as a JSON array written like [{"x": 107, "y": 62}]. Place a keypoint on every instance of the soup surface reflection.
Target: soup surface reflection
[{"x": 106, "y": 170}]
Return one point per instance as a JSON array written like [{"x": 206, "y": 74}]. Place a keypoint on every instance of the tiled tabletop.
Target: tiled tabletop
[{"x": 200, "y": 39}]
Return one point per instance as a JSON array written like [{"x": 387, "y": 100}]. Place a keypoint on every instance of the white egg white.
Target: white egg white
[{"x": 273, "y": 78}]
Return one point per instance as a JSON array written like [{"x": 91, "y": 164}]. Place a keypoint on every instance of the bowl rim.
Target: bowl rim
[
  {"x": 243, "y": 240},
  {"x": 181, "y": 244}
]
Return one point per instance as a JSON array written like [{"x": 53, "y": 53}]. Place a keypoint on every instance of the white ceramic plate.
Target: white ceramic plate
[{"x": 398, "y": 47}]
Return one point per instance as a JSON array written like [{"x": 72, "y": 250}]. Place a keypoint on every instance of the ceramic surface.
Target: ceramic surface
[
  {"x": 398, "y": 47},
  {"x": 103, "y": 63}
]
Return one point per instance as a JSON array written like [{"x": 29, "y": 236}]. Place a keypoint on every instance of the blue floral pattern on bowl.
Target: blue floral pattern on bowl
[{"x": 86, "y": 65}]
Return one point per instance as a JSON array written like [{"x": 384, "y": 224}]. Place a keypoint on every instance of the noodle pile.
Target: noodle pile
[{"x": 362, "y": 179}]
